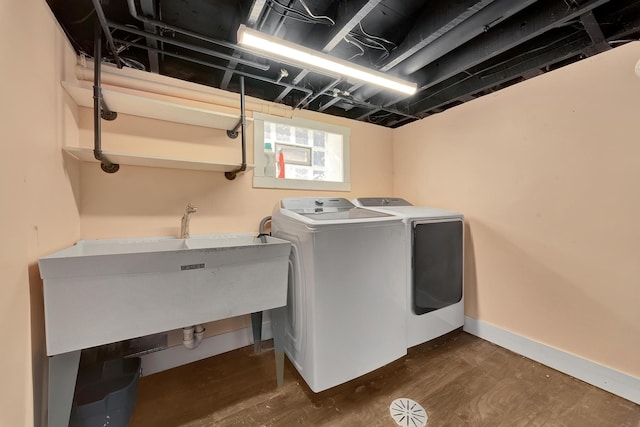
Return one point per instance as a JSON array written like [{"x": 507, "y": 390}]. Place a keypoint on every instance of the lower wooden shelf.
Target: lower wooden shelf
[{"x": 86, "y": 155}]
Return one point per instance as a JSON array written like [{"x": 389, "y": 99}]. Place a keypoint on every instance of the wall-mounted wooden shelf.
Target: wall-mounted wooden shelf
[
  {"x": 159, "y": 107},
  {"x": 86, "y": 155},
  {"x": 156, "y": 106}
]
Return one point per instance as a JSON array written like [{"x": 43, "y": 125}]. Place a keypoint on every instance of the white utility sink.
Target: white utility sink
[{"x": 103, "y": 291}]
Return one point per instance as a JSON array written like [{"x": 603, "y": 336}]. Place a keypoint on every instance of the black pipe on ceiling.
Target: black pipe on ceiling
[
  {"x": 373, "y": 107},
  {"x": 134, "y": 13},
  {"x": 217, "y": 67},
  {"x": 205, "y": 51},
  {"x": 309, "y": 92}
]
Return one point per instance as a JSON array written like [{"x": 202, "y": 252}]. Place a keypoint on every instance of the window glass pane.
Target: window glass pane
[
  {"x": 318, "y": 138},
  {"x": 283, "y": 132},
  {"x": 318, "y": 158},
  {"x": 309, "y": 153},
  {"x": 302, "y": 136},
  {"x": 333, "y": 165},
  {"x": 324, "y": 152},
  {"x": 298, "y": 172},
  {"x": 269, "y": 131}
]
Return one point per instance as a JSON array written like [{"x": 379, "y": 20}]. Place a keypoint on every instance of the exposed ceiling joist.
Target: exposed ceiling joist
[
  {"x": 592, "y": 27},
  {"x": 432, "y": 25},
  {"x": 148, "y": 8},
  {"x": 350, "y": 14},
  {"x": 548, "y": 14},
  {"x": 528, "y": 66},
  {"x": 474, "y": 25},
  {"x": 456, "y": 50},
  {"x": 256, "y": 10},
  {"x": 478, "y": 24},
  {"x": 224, "y": 84},
  {"x": 440, "y": 96}
]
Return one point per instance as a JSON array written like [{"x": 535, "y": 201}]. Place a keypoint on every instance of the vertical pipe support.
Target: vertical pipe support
[
  {"x": 98, "y": 102},
  {"x": 231, "y": 175}
]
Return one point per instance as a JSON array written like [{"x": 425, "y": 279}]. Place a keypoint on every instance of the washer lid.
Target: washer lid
[
  {"x": 380, "y": 201},
  {"x": 329, "y": 214}
]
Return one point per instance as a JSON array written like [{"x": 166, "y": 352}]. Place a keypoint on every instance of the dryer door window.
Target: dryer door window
[{"x": 437, "y": 265}]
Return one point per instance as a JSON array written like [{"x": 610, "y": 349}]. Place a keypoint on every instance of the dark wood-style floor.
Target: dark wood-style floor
[{"x": 459, "y": 379}]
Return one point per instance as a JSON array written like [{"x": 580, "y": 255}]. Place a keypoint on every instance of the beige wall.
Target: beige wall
[
  {"x": 39, "y": 212},
  {"x": 49, "y": 197},
  {"x": 144, "y": 201},
  {"x": 544, "y": 171},
  {"x": 547, "y": 174}
]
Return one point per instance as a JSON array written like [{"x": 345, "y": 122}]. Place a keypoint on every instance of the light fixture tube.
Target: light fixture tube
[{"x": 307, "y": 58}]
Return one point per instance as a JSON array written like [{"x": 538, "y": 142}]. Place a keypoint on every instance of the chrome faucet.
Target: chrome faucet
[{"x": 184, "y": 228}]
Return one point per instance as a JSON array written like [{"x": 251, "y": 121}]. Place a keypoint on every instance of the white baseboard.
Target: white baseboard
[
  {"x": 179, "y": 355},
  {"x": 616, "y": 382}
]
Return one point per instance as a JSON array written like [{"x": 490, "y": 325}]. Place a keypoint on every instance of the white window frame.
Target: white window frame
[{"x": 261, "y": 181}]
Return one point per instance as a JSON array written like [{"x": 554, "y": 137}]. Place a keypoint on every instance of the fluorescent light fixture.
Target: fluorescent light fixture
[{"x": 320, "y": 62}]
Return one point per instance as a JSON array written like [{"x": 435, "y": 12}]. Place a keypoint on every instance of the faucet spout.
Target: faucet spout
[{"x": 184, "y": 226}]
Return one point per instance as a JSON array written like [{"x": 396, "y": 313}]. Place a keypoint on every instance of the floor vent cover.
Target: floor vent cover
[{"x": 408, "y": 413}]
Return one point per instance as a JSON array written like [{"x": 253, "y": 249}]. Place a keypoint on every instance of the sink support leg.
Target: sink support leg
[
  {"x": 63, "y": 370},
  {"x": 256, "y": 326},
  {"x": 278, "y": 320}
]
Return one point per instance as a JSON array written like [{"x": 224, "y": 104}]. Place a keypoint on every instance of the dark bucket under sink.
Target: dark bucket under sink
[{"x": 106, "y": 393}]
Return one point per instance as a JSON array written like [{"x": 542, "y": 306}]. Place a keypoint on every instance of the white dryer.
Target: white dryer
[
  {"x": 346, "y": 297},
  {"x": 434, "y": 257}
]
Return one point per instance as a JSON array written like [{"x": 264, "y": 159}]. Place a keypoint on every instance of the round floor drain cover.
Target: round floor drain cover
[{"x": 408, "y": 413}]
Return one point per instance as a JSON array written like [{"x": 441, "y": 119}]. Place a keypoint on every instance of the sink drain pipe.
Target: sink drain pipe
[{"x": 192, "y": 336}]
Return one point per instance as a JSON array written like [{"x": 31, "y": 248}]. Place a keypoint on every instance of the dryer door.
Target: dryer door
[{"x": 437, "y": 265}]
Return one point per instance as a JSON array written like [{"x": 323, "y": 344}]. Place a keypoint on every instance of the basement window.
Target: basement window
[{"x": 300, "y": 154}]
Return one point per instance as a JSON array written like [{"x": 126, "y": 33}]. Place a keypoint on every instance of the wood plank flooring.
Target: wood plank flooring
[{"x": 460, "y": 380}]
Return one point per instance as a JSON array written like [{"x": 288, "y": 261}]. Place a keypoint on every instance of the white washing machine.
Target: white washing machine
[
  {"x": 434, "y": 258},
  {"x": 346, "y": 298}
]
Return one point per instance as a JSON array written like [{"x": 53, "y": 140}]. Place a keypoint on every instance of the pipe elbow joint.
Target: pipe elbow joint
[{"x": 192, "y": 336}]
